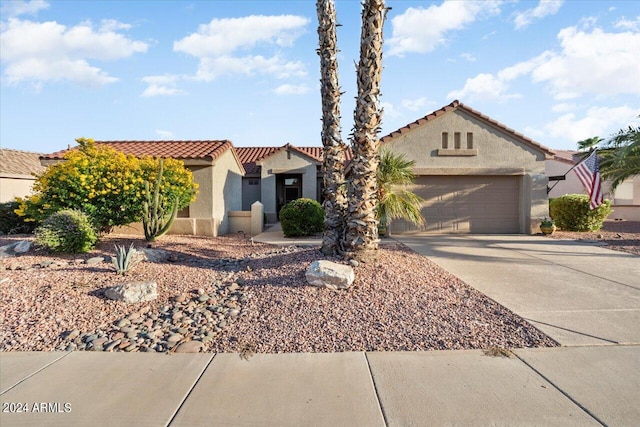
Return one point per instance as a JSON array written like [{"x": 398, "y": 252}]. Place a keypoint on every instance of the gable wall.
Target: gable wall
[{"x": 279, "y": 162}]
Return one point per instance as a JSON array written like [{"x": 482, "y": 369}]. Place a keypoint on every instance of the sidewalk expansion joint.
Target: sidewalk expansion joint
[
  {"x": 375, "y": 388},
  {"x": 575, "y": 402},
  {"x": 195, "y": 383},
  {"x": 33, "y": 373}
]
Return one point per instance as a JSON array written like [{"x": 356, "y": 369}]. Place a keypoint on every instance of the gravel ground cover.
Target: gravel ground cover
[
  {"x": 228, "y": 295},
  {"x": 617, "y": 235}
]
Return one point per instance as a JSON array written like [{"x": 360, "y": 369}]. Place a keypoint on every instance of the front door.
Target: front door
[{"x": 288, "y": 189}]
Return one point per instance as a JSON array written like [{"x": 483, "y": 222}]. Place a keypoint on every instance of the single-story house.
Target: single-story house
[
  {"x": 476, "y": 174},
  {"x": 17, "y": 169},
  {"x": 625, "y": 200},
  {"x": 216, "y": 168}
]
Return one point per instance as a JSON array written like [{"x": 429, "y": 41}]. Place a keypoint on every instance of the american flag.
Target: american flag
[{"x": 588, "y": 172}]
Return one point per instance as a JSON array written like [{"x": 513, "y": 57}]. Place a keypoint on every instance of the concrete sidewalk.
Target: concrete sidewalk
[{"x": 552, "y": 386}]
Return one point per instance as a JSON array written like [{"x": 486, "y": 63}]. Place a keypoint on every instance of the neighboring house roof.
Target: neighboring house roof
[
  {"x": 17, "y": 162},
  {"x": 457, "y": 105},
  {"x": 565, "y": 156}
]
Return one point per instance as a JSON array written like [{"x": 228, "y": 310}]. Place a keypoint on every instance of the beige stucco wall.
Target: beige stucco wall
[
  {"x": 226, "y": 190},
  {"x": 12, "y": 186},
  {"x": 497, "y": 153},
  {"x": 279, "y": 163}
]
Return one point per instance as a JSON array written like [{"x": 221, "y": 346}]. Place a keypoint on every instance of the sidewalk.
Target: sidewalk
[{"x": 557, "y": 386}]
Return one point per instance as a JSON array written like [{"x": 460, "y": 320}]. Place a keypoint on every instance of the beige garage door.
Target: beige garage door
[{"x": 467, "y": 204}]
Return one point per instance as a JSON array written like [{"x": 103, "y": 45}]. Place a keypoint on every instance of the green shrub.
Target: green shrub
[
  {"x": 11, "y": 222},
  {"x": 106, "y": 184},
  {"x": 302, "y": 217},
  {"x": 68, "y": 231},
  {"x": 571, "y": 212}
]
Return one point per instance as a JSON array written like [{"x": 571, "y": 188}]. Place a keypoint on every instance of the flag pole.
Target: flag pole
[{"x": 558, "y": 178}]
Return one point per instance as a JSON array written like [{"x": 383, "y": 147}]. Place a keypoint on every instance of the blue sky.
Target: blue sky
[{"x": 557, "y": 71}]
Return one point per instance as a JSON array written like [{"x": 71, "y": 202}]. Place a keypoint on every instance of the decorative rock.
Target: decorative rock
[
  {"x": 22, "y": 247},
  {"x": 155, "y": 255},
  {"x": 99, "y": 342},
  {"x": 189, "y": 347},
  {"x": 123, "y": 323},
  {"x": 180, "y": 298},
  {"x": 174, "y": 338},
  {"x": 330, "y": 275},
  {"x": 353, "y": 263},
  {"x": 73, "y": 334},
  {"x": 95, "y": 260},
  {"x": 133, "y": 292}
]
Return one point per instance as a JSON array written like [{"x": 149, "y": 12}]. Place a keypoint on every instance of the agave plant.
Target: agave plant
[{"x": 124, "y": 259}]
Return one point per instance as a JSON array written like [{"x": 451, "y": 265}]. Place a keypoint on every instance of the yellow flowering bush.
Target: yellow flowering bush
[{"x": 104, "y": 183}]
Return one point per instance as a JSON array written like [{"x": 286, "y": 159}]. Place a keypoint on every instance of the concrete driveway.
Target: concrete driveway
[{"x": 577, "y": 293}]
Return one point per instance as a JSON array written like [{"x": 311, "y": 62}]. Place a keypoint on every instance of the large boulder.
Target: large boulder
[
  {"x": 330, "y": 275},
  {"x": 133, "y": 292},
  {"x": 12, "y": 249}
]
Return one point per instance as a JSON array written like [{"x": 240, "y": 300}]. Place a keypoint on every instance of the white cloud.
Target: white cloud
[
  {"x": 468, "y": 57},
  {"x": 165, "y": 134},
  {"x": 628, "y": 24},
  {"x": 107, "y": 25},
  {"x": 16, "y": 8},
  {"x": 564, "y": 71},
  {"x": 421, "y": 30},
  {"x": 389, "y": 110},
  {"x": 210, "y": 68},
  {"x": 483, "y": 87},
  {"x": 544, "y": 8},
  {"x": 47, "y": 51},
  {"x": 598, "y": 121},
  {"x": 288, "y": 89},
  {"x": 611, "y": 59},
  {"x": 564, "y": 107},
  {"x": 414, "y": 104},
  {"x": 224, "y": 36},
  {"x": 233, "y": 46},
  {"x": 164, "y": 85}
]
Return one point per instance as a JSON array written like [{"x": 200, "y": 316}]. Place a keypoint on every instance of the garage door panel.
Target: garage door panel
[{"x": 466, "y": 204}]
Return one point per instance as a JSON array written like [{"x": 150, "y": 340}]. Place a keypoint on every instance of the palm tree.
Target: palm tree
[
  {"x": 361, "y": 238},
  {"x": 620, "y": 158},
  {"x": 395, "y": 171},
  {"x": 335, "y": 202}
]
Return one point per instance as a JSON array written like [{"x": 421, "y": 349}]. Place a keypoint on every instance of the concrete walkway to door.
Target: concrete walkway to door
[{"x": 577, "y": 293}]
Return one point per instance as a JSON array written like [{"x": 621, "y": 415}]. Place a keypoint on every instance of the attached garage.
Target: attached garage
[
  {"x": 466, "y": 204},
  {"x": 475, "y": 174}
]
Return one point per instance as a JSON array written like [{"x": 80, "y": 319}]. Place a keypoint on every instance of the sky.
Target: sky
[{"x": 247, "y": 71}]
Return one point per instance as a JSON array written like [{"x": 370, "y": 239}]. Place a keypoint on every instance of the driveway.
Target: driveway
[{"x": 577, "y": 293}]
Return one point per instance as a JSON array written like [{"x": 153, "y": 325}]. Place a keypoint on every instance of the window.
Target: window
[
  {"x": 254, "y": 181},
  {"x": 445, "y": 140},
  {"x": 456, "y": 140},
  {"x": 469, "y": 140}
]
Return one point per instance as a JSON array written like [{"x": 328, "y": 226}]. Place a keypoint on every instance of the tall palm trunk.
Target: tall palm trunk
[
  {"x": 362, "y": 226},
  {"x": 335, "y": 203}
]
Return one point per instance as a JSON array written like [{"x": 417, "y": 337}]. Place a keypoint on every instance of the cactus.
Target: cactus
[
  {"x": 124, "y": 261},
  {"x": 155, "y": 219}
]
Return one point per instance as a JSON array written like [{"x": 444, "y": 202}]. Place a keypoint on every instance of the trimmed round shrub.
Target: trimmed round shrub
[
  {"x": 67, "y": 231},
  {"x": 11, "y": 222},
  {"x": 571, "y": 213},
  {"x": 302, "y": 217}
]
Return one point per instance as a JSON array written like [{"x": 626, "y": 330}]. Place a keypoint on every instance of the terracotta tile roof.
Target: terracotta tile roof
[
  {"x": 455, "y": 105},
  {"x": 566, "y": 156},
  {"x": 250, "y": 155},
  {"x": 209, "y": 150},
  {"x": 17, "y": 162}
]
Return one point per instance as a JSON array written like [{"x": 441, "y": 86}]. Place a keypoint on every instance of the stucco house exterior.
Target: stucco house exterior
[
  {"x": 16, "y": 173},
  {"x": 476, "y": 174},
  {"x": 625, "y": 200},
  {"x": 216, "y": 168}
]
